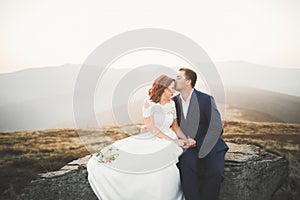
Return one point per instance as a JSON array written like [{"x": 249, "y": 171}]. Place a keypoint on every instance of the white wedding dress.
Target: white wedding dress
[{"x": 142, "y": 166}]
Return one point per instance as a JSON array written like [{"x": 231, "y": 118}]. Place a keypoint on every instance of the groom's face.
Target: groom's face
[{"x": 181, "y": 82}]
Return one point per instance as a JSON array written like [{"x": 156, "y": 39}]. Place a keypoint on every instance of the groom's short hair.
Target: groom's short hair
[{"x": 190, "y": 75}]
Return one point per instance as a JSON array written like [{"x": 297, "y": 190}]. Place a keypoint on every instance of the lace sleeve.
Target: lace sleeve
[
  {"x": 146, "y": 108},
  {"x": 173, "y": 110}
]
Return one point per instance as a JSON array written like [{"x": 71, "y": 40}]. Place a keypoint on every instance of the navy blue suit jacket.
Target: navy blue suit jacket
[{"x": 206, "y": 107}]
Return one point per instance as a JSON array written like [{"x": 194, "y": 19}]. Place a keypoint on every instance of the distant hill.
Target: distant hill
[
  {"x": 42, "y": 98},
  {"x": 262, "y": 105},
  {"x": 239, "y": 73},
  {"x": 245, "y": 114}
]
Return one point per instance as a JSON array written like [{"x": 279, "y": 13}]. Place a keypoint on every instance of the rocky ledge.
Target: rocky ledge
[{"x": 250, "y": 173}]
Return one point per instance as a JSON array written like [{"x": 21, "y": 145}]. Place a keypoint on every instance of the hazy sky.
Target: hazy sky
[{"x": 38, "y": 33}]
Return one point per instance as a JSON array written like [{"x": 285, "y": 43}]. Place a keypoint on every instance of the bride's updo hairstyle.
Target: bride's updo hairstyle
[{"x": 158, "y": 87}]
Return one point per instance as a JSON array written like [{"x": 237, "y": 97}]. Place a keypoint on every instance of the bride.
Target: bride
[{"x": 143, "y": 166}]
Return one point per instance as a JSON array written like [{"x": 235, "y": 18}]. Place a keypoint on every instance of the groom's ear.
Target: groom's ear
[{"x": 189, "y": 81}]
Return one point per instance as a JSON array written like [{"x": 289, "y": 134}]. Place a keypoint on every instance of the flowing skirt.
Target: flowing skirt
[{"x": 138, "y": 167}]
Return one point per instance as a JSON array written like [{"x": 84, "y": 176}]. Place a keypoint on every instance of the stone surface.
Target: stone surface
[
  {"x": 250, "y": 173},
  {"x": 70, "y": 182}
]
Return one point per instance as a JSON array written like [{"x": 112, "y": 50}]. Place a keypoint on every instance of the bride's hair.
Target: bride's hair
[{"x": 158, "y": 87}]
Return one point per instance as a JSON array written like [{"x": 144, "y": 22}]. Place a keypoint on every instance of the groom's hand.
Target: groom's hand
[{"x": 190, "y": 143}]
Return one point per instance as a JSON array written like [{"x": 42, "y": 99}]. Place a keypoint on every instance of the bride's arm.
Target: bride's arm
[
  {"x": 175, "y": 127},
  {"x": 150, "y": 126}
]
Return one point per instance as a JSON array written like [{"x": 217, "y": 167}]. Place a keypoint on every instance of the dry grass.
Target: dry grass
[{"x": 25, "y": 154}]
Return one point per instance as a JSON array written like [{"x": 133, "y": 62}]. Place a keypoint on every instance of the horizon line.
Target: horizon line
[{"x": 221, "y": 61}]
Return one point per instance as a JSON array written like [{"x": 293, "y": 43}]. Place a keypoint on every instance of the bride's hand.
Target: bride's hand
[
  {"x": 179, "y": 142},
  {"x": 144, "y": 129},
  {"x": 150, "y": 127},
  {"x": 189, "y": 143}
]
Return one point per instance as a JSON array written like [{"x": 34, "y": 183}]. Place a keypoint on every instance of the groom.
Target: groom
[{"x": 201, "y": 168}]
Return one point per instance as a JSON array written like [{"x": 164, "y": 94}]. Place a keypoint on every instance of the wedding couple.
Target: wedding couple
[{"x": 178, "y": 155}]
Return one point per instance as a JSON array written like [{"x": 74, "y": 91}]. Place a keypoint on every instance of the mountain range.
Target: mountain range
[{"x": 42, "y": 98}]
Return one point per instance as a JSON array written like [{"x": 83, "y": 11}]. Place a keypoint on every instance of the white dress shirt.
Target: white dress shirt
[{"x": 185, "y": 104}]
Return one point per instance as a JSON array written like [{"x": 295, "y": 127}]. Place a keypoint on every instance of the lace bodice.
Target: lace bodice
[{"x": 163, "y": 115}]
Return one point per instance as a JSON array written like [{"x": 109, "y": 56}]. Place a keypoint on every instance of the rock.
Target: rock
[
  {"x": 250, "y": 173},
  {"x": 70, "y": 182}
]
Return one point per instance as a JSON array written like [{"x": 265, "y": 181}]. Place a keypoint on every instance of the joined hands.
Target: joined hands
[{"x": 185, "y": 143}]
